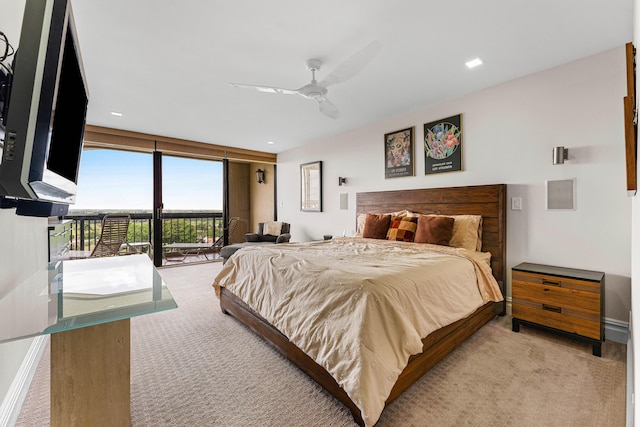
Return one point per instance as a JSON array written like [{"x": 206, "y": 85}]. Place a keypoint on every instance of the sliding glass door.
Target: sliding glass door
[
  {"x": 170, "y": 200},
  {"x": 112, "y": 182},
  {"x": 190, "y": 202},
  {"x": 189, "y": 211}
]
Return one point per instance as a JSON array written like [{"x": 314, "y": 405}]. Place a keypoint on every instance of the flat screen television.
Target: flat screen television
[{"x": 46, "y": 109}]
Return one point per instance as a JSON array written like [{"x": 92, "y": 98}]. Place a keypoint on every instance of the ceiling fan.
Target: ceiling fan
[{"x": 318, "y": 90}]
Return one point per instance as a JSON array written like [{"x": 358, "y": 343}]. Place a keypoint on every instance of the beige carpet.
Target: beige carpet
[{"x": 195, "y": 366}]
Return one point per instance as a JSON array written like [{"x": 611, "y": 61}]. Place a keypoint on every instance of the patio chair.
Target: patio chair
[
  {"x": 219, "y": 242},
  {"x": 183, "y": 249},
  {"x": 112, "y": 236}
]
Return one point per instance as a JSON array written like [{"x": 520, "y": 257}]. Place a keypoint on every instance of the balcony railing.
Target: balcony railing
[{"x": 177, "y": 227}]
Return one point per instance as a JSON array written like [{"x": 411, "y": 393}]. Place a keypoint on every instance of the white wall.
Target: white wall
[
  {"x": 23, "y": 252},
  {"x": 13, "y": 353},
  {"x": 508, "y": 135}
]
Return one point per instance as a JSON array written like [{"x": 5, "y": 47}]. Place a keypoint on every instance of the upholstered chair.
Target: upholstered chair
[{"x": 271, "y": 231}]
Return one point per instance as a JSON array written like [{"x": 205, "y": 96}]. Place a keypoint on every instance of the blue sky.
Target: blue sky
[{"x": 111, "y": 179}]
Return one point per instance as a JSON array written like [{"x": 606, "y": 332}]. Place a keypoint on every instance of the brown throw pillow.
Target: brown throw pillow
[
  {"x": 434, "y": 229},
  {"x": 402, "y": 228},
  {"x": 376, "y": 226}
]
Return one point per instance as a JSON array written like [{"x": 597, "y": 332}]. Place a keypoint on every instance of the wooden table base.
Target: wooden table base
[{"x": 90, "y": 376}]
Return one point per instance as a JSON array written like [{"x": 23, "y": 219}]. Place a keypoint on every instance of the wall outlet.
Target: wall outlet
[{"x": 516, "y": 203}]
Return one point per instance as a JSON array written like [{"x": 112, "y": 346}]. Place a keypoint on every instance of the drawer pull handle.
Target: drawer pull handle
[
  {"x": 550, "y": 282},
  {"x": 552, "y": 308}
]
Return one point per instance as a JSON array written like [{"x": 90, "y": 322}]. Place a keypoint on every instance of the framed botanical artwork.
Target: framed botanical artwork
[
  {"x": 398, "y": 153},
  {"x": 443, "y": 145},
  {"x": 311, "y": 187}
]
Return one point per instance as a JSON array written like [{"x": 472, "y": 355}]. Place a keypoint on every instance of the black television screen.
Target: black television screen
[
  {"x": 69, "y": 117},
  {"x": 47, "y": 105}
]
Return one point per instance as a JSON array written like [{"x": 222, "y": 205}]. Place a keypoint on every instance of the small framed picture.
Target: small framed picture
[
  {"x": 398, "y": 153},
  {"x": 443, "y": 145}
]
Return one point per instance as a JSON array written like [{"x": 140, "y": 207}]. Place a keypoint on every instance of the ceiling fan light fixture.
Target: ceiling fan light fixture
[
  {"x": 317, "y": 91},
  {"x": 473, "y": 63}
]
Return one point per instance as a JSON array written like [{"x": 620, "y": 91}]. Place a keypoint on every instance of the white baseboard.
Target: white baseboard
[
  {"x": 12, "y": 404},
  {"x": 630, "y": 376},
  {"x": 615, "y": 330}
]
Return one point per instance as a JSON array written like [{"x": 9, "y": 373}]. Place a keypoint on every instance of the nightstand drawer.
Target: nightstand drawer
[
  {"x": 579, "y": 300},
  {"x": 556, "y": 281},
  {"x": 553, "y": 316}
]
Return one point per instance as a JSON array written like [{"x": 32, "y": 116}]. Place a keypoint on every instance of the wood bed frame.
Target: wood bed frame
[{"x": 486, "y": 200}]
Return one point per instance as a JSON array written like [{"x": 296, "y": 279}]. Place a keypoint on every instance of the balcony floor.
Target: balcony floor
[{"x": 169, "y": 261}]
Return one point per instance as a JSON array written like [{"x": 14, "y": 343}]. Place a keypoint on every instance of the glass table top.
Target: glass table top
[{"x": 79, "y": 293}]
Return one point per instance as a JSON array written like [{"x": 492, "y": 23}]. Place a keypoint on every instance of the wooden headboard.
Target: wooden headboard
[{"x": 486, "y": 200}]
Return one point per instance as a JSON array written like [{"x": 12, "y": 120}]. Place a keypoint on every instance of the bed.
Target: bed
[{"x": 325, "y": 366}]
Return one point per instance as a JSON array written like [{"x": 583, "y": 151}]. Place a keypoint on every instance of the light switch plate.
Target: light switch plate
[{"x": 516, "y": 203}]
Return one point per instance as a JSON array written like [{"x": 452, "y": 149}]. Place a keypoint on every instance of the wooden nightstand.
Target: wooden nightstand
[{"x": 563, "y": 300}]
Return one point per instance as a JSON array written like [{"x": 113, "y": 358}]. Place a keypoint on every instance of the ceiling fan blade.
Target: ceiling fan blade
[
  {"x": 327, "y": 108},
  {"x": 353, "y": 65},
  {"x": 266, "y": 89}
]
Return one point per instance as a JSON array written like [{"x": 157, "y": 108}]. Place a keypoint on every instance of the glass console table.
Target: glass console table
[{"x": 86, "y": 306}]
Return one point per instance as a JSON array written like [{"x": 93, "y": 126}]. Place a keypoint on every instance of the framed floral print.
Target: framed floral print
[
  {"x": 398, "y": 153},
  {"x": 443, "y": 145}
]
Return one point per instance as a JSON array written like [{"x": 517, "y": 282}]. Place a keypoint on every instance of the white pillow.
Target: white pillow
[{"x": 272, "y": 227}]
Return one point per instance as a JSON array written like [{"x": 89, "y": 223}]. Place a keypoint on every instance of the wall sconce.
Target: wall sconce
[
  {"x": 260, "y": 176},
  {"x": 342, "y": 180},
  {"x": 560, "y": 154}
]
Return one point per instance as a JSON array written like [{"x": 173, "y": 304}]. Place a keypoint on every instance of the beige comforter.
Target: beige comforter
[{"x": 360, "y": 307}]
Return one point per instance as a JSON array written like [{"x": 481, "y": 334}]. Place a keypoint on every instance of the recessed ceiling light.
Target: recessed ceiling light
[
  {"x": 115, "y": 113},
  {"x": 271, "y": 142},
  {"x": 473, "y": 63}
]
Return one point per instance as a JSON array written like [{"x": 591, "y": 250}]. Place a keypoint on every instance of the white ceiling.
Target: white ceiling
[{"x": 165, "y": 65}]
